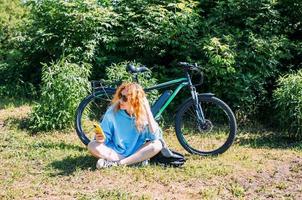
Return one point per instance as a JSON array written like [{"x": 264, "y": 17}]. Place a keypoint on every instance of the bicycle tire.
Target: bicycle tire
[
  {"x": 219, "y": 109},
  {"x": 86, "y": 115}
]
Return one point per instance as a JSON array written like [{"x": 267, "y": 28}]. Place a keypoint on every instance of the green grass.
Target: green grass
[
  {"x": 56, "y": 165},
  {"x": 111, "y": 195},
  {"x": 12, "y": 103}
]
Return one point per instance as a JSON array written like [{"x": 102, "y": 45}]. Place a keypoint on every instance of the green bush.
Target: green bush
[
  {"x": 243, "y": 46},
  {"x": 64, "y": 84},
  {"x": 72, "y": 27},
  {"x": 54, "y": 28},
  {"x": 152, "y": 31},
  {"x": 13, "y": 15},
  {"x": 18, "y": 90},
  {"x": 288, "y": 98},
  {"x": 246, "y": 59}
]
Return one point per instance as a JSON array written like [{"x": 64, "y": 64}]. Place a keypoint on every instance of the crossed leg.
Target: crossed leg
[
  {"x": 99, "y": 150},
  {"x": 148, "y": 150}
]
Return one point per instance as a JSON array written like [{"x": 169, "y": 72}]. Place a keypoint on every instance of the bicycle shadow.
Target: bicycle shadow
[{"x": 69, "y": 165}]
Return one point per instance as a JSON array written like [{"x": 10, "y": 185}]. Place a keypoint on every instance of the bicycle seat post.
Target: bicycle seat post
[{"x": 135, "y": 77}]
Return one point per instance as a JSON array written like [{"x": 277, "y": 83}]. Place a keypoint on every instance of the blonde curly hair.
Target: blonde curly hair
[{"x": 135, "y": 97}]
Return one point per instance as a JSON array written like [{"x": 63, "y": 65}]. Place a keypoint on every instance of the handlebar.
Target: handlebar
[
  {"x": 192, "y": 67},
  {"x": 188, "y": 66}
]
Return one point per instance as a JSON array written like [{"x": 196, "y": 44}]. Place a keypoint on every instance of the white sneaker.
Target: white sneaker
[
  {"x": 145, "y": 163},
  {"x": 102, "y": 163},
  {"x": 141, "y": 164}
]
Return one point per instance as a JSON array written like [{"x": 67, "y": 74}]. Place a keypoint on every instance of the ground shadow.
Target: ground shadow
[
  {"x": 69, "y": 165},
  {"x": 24, "y": 125},
  {"x": 60, "y": 145},
  {"x": 20, "y": 123},
  {"x": 266, "y": 139}
]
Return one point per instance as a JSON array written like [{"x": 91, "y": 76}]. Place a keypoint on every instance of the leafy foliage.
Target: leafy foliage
[
  {"x": 70, "y": 27},
  {"x": 64, "y": 84},
  {"x": 152, "y": 30},
  {"x": 242, "y": 46},
  {"x": 13, "y": 15},
  {"x": 288, "y": 98},
  {"x": 256, "y": 48}
]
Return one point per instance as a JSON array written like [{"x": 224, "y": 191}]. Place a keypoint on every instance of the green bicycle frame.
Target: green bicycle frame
[{"x": 181, "y": 83}]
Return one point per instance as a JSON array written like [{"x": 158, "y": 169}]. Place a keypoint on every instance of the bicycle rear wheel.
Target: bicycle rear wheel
[
  {"x": 90, "y": 111},
  {"x": 216, "y": 136}
]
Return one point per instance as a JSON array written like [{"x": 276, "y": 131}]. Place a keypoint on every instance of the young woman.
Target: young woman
[{"x": 132, "y": 134}]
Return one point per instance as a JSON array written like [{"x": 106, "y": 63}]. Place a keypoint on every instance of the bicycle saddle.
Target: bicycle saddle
[{"x": 132, "y": 69}]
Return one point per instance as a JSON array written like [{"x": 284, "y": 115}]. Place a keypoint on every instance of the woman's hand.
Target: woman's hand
[{"x": 99, "y": 138}]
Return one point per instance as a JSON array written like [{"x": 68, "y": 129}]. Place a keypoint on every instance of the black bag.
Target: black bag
[{"x": 172, "y": 159}]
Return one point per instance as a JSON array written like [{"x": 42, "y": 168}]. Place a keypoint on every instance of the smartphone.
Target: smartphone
[{"x": 98, "y": 130}]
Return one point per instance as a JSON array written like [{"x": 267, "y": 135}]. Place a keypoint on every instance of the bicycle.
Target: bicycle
[{"x": 204, "y": 124}]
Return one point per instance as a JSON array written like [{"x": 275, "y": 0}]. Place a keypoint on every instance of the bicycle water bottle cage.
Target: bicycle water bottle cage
[{"x": 132, "y": 69}]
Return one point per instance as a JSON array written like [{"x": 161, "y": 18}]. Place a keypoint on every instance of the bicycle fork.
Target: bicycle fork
[{"x": 198, "y": 109}]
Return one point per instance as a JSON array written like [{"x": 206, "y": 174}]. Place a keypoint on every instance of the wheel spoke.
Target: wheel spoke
[
  {"x": 92, "y": 112},
  {"x": 208, "y": 137}
]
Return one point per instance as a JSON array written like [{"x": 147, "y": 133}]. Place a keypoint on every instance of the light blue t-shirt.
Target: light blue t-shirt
[{"x": 121, "y": 133}]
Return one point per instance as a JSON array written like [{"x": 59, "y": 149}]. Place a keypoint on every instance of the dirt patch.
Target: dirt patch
[
  {"x": 16, "y": 113},
  {"x": 17, "y": 117}
]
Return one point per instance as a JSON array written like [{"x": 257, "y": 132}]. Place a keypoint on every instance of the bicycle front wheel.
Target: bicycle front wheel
[
  {"x": 212, "y": 138},
  {"x": 90, "y": 111}
]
